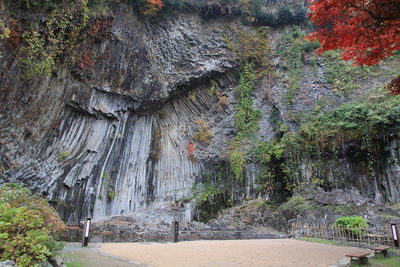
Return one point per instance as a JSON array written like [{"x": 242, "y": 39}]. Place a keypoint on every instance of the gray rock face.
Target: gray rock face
[
  {"x": 8, "y": 263},
  {"x": 114, "y": 140},
  {"x": 117, "y": 142},
  {"x": 57, "y": 261}
]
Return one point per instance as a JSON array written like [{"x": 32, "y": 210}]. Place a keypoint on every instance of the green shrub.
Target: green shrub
[
  {"x": 268, "y": 151},
  {"x": 354, "y": 225},
  {"x": 237, "y": 164},
  {"x": 300, "y": 14},
  {"x": 284, "y": 15},
  {"x": 266, "y": 19},
  {"x": 110, "y": 193},
  {"x": 366, "y": 123},
  {"x": 4, "y": 31},
  {"x": 342, "y": 74},
  {"x": 62, "y": 155},
  {"x": 29, "y": 227},
  {"x": 210, "y": 198},
  {"x": 255, "y": 49}
]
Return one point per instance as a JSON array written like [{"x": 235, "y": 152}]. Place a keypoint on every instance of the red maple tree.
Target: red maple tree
[{"x": 366, "y": 30}]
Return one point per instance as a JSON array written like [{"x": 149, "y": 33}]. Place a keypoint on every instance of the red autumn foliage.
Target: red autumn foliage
[
  {"x": 367, "y": 31},
  {"x": 86, "y": 61},
  {"x": 100, "y": 29},
  {"x": 152, "y": 7},
  {"x": 191, "y": 148},
  {"x": 394, "y": 86},
  {"x": 14, "y": 40}
]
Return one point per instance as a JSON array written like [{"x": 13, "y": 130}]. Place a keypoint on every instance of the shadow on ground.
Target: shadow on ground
[{"x": 76, "y": 256}]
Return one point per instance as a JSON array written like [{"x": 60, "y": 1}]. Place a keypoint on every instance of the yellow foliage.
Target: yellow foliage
[
  {"x": 222, "y": 101},
  {"x": 203, "y": 133},
  {"x": 192, "y": 96}
]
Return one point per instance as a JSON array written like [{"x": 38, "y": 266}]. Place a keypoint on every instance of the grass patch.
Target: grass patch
[
  {"x": 321, "y": 241},
  {"x": 75, "y": 264},
  {"x": 395, "y": 205},
  {"x": 381, "y": 262},
  {"x": 348, "y": 209},
  {"x": 389, "y": 262},
  {"x": 73, "y": 259},
  {"x": 394, "y": 250},
  {"x": 333, "y": 242}
]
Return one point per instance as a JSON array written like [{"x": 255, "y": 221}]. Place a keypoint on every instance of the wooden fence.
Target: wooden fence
[{"x": 371, "y": 237}]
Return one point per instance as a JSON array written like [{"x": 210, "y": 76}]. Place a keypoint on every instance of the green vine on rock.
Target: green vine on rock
[
  {"x": 247, "y": 117},
  {"x": 255, "y": 49},
  {"x": 41, "y": 50},
  {"x": 210, "y": 197},
  {"x": 237, "y": 164},
  {"x": 291, "y": 49},
  {"x": 342, "y": 75},
  {"x": 358, "y": 129},
  {"x": 363, "y": 123},
  {"x": 246, "y": 121},
  {"x": 269, "y": 155}
]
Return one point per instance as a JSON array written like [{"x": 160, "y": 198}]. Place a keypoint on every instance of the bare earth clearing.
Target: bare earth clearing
[{"x": 232, "y": 253}]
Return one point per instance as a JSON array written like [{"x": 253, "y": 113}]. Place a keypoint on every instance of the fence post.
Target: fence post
[
  {"x": 175, "y": 231},
  {"x": 319, "y": 231},
  {"x": 350, "y": 232},
  {"x": 333, "y": 234},
  {"x": 341, "y": 232},
  {"x": 395, "y": 235},
  {"x": 357, "y": 233},
  {"x": 85, "y": 235},
  {"x": 292, "y": 234},
  {"x": 388, "y": 232}
]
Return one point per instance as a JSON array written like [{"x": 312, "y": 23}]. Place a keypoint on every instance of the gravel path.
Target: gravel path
[{"x": 232, "y": 253}]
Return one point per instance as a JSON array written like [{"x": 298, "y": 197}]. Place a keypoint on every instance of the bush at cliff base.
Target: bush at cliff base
[
  {"x": 29, "y": 227},
  {"x": 353, "y": 225}
]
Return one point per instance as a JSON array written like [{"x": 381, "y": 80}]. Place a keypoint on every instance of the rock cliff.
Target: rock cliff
[{"x": 114, "y": 137}]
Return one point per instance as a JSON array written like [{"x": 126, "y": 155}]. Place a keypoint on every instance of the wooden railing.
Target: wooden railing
[{"x": 367, "y": 236}]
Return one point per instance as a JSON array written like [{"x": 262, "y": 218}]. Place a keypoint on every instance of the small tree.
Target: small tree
[{"x": 29, "y": 227}]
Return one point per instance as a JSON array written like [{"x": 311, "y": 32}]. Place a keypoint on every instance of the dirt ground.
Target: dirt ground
[
  {"x": 76, "y": 256},
  {"x": 232, "y": 253}
]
